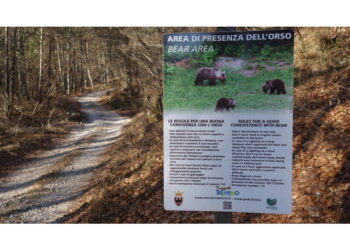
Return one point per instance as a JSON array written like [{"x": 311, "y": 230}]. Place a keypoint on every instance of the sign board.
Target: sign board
[{"x": 228, "y": 119}]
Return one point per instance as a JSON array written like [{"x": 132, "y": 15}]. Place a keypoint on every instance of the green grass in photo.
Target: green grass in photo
[{"x": 180, "y": 93}]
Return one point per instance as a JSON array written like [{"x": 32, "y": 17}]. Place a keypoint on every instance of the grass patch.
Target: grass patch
[{"x": 180, "y": 93}]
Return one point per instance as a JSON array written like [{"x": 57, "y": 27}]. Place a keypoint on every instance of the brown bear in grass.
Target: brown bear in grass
[
  {"x": 225, "y": 103},
  {"x": 274, "y": 85},
  {"x": 210, "y": 74}
]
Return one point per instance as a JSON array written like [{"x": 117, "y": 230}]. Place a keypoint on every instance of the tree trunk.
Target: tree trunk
[
  {"x": 59, "y": 65},
  {"x": 75, "y": 72},
  {"x": 49, "y": 71},
  {"x": 40, "y": 66},
  {"x": 21, "y": 67},
  {"x": 68, "y": 69},
  {"x": 100, "y": 62},
  {"x": 106, "y": 63},
  {"x": 7, "y": 69},
  {"x": 12, "y": 44},
  {"x": 82, "y": 75},
  {"x": 87, "y": 64},
  {"x": 6, "y": 61},
  {"x": 13, "y": 63}
]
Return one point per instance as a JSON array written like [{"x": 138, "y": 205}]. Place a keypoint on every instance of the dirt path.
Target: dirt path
[{"x": 45, "y": 189}]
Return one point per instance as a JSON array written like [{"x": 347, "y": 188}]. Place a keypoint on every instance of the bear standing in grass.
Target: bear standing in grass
[
  {"x": 225, "y": 103},
  {"x": 210, "y": 74},
  {"x": 274, "y": 85}
]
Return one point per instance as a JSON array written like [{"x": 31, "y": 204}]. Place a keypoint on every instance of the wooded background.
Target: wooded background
[{"x": 41, "y": 63}]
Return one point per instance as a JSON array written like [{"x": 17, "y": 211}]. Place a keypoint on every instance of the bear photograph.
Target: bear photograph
[
  {"x": 210, "y": 74},
  {"x": 225, "y": 103},
  {"x": 228, "y": 76},
  {"x": 274, "y": 85}
]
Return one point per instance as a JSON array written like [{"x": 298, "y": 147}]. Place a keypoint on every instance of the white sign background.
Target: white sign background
[{"x": 208, "y": 197}]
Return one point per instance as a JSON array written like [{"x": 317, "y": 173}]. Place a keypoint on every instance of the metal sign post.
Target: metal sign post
[{"x": 222, "y": 217}]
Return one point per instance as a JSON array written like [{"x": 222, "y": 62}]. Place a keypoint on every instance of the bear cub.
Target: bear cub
[
  {"x": 225, "y": 103},
  {"x": 274, "y": 85}
]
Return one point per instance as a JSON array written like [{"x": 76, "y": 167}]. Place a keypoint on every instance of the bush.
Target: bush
[
  {"x": 174, "y": 57},
  {"x": 205, "y": 59},
  {"x": 169, "y": 69}
]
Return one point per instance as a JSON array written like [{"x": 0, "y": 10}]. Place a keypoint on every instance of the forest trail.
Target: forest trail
[{"x": 44, "y": 190}]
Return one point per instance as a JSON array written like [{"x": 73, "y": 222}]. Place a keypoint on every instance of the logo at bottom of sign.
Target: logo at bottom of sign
[
  {"x": 271, "y": 203},
  {"x": 178, "y": 198}
]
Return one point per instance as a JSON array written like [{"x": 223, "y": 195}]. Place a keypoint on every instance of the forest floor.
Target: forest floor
[{"x": 46, "y": 188}]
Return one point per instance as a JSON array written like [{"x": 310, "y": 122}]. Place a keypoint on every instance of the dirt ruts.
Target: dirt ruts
[{"x": 47, "y": 188}]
